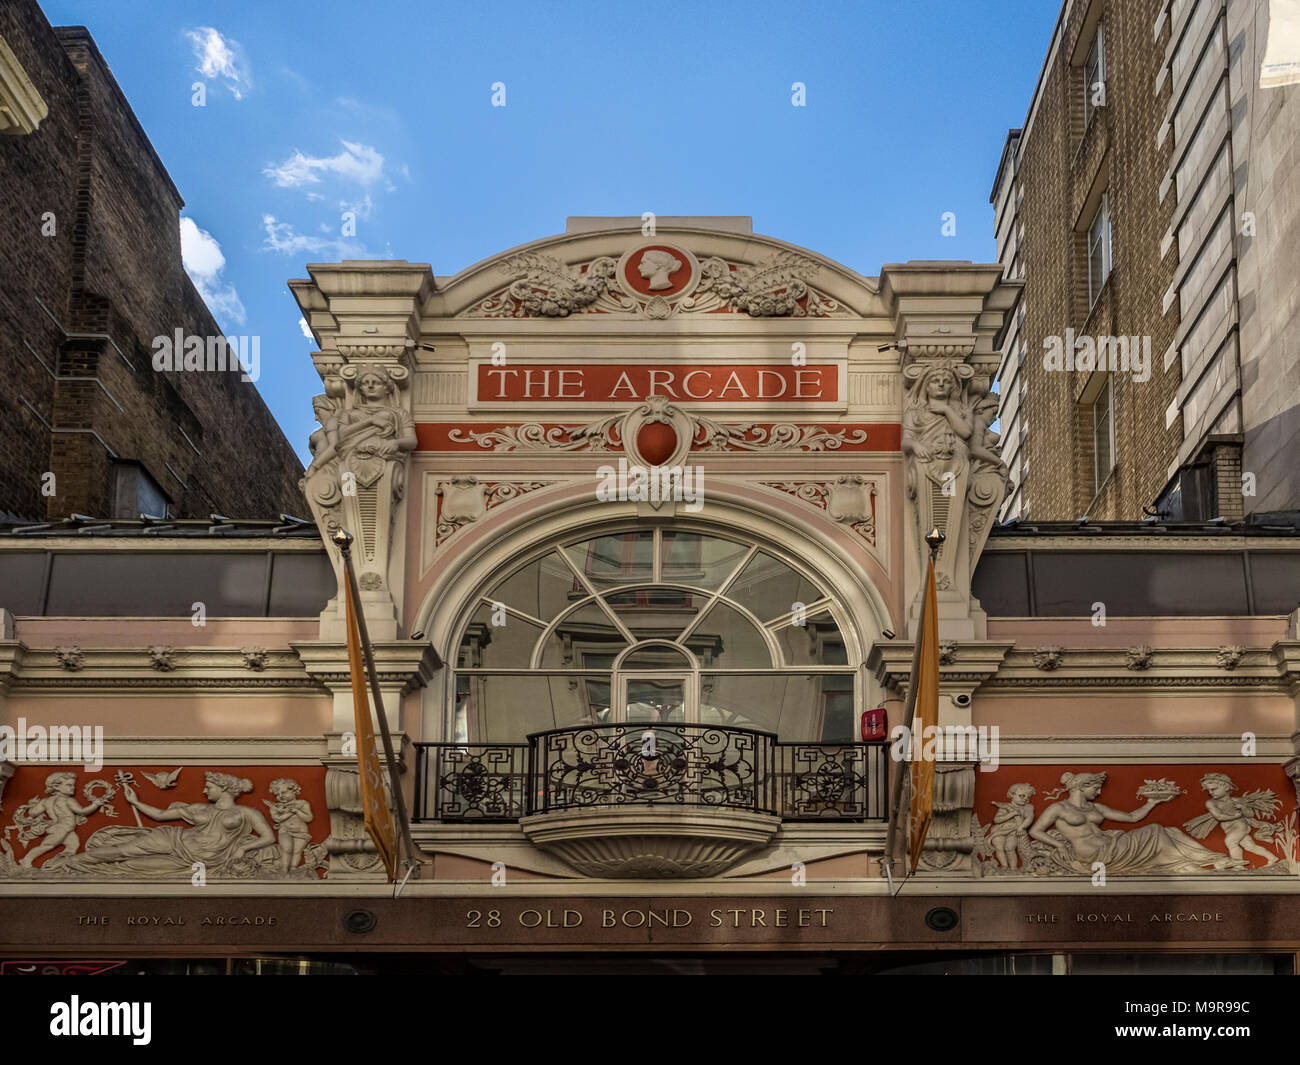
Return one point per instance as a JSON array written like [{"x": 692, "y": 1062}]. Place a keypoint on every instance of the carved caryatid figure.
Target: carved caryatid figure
[
  {"x": 358, "y": 470},
  {"x": 954, "y": 475},
  {"x": 365, "y": 435},
  {"x": 937, "y": 430},
  {"x": 990, "y": 479}
]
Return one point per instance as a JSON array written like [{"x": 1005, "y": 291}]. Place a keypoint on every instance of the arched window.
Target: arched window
[{"x": 651, "y": 625}]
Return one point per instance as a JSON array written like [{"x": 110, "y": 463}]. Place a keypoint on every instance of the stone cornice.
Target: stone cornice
[
  {"x": 991, "y": 665},
  {"x": 1273, "y": 669},
  {"x": 1138, "y": 750},
  {"x": 163, "y": 544},
  {"x": 972, "y": 662},
  {"x": 1153, "y": 541},
  {"x": 151, "y": 668},
  {"x": 404, "y": 662},
  {"x": 305, "y": 751},
  {"x": 22, "y": 109},
  {"x": 311, "y": 666}
]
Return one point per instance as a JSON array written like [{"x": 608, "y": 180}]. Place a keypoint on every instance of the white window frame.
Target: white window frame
[
  {"x": 1099, "y": 235},
  {"x": 1094, "y": 73},
  {"x": 1105, "y": 397}
]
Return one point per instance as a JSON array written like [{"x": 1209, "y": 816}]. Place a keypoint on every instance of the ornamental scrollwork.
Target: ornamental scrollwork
[
  {"x": 849, "y": 500},
  {"x": 775, "y": 288},
  {"x": 462, "y": 500},
  {"x": 706, "y": 434},
  {"x": 543, "y": 287}
]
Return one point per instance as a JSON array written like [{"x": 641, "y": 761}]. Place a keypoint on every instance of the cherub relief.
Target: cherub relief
[{"x": 1239, "y": 818}]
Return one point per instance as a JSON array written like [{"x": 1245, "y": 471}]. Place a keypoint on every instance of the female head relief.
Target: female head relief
[
  {"x": 231, "y": 785},
  {"x": 656, "y": 266},
  {"x": 1083, "y": 782},
  {"x": 374, "y": 385}
]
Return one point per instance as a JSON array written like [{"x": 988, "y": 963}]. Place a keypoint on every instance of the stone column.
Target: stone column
[
  {"x": 950, "y": 844},
  {"x": 401, "y": 667},
  {"x": 367, "y": 318},
  {"x": 946, "y": 322}
]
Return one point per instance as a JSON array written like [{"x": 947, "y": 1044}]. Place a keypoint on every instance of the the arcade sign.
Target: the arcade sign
[{"x": 628, "y": 382}]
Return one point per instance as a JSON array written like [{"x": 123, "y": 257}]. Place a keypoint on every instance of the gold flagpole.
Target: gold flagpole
[
  {"x": 408, "y": 853},
  {"x": 934, "y": 539}
]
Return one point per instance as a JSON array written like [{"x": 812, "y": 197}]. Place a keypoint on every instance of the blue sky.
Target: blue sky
[{"x": 681, "y": 108}]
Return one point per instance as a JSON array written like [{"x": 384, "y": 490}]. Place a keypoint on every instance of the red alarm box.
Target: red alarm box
[{"x": 874, "y": 725}]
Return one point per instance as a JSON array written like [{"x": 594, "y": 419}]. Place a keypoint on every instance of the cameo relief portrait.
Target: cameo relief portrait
[
  {"x": 657, "y": 273},
  {"x": 657, "y": 266}
]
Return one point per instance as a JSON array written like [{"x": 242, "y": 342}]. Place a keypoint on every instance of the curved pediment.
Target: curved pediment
[{"x": 687, "y": 267}]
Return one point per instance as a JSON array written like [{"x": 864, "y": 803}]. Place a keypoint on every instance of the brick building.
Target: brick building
[
  {"x": 1148, "y": 205},
  {"x": 90, "y": 274}
]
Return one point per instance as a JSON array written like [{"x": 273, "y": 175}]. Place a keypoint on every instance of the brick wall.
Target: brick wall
[
  {"x": 1062, "y": 165},
  {"x": 113, "y": 267}
]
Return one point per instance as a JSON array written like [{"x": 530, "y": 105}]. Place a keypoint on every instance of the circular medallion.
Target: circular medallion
[
  {"x": 659, "y": 272},
  {"x": 656, "y": 442}
]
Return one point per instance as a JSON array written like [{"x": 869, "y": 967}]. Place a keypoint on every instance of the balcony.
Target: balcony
[{"x": 662, "y": 800}]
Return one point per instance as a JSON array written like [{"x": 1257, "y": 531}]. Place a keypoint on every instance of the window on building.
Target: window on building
[
  {"x": 1099, "y": 260},
  {"x": 655, "y": 624},
  {"x": 1103, "y": 434},
  {"x": 1094, "y": 77},
  {"x": 136, "y": 493}
]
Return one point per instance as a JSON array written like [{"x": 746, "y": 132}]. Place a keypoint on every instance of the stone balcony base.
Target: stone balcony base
[{"x": 650, "y": 842}]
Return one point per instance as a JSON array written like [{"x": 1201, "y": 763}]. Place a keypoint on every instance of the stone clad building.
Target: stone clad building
[
  {"x": 1149, "y": 200},
  {"x": 637, "y": 528},
  {"x": 90, "y": 275}
]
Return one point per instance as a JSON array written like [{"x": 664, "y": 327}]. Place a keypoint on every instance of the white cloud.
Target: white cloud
[
  {"x": 358, "y": 163},
  {"x": 203, "y": 261},
  {"x": 306, "y": 329},
  {"x": 283, "y": 238},
  {"x": 221, "y": 58}
]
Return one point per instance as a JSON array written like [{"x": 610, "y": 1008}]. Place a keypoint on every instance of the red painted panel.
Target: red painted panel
[
  {"x": 629, "y": 382},
  {"x": 456, "y": 436},
  {"x": 1272, "y": 826},
  {"x": 29, "y": 785}
]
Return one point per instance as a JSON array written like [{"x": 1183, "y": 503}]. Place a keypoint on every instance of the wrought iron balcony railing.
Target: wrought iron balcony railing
[{"x": 657, "y": 765}]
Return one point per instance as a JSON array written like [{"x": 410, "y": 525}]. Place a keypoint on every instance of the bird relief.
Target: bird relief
[
  {"x": 217, "y": 835},
  {"x": 1067, "y": 838}
]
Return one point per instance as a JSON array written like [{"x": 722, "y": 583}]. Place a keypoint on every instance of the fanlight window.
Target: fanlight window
[{"x": 654, "y": 625}]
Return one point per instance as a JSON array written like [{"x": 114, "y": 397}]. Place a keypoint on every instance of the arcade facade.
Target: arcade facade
[{"x": 638, "y": 529}]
